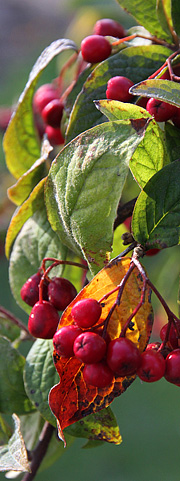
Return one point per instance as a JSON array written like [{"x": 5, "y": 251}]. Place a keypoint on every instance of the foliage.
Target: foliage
[{"x": 68, "y": 204}]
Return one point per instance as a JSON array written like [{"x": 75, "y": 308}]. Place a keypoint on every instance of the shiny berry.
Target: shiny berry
[
  {"x": 161, "y": 111},
  {"x": 89, "y": 347},
  {"x": 123, "y": 357},
  {"x": 152, "y": 366},
  {"x": 61, "y": 292},
  {"x": 64, "y": 338},
  {"x": 172, "y": 373},
  {"x": 95, "y": 48},
  {"x": 55, "y": 136},
  {"x": 43, "y": 320},
  {"x": 30, "y": 290},
  {"x": 86, "y": 312},
  {"x": 98, "y": 374},
  {"x": 118, "y": 89},
  {"x": 52, "y": 113},
  {"x": 107, "y": 26},
  {"x": 43, "y": 96}
]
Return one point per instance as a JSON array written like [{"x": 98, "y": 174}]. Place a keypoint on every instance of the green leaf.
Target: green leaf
[
  {"x": 35, "y": 241},
  {"x": 8, "y": 329},
  {"x": 12, "y": 395},
  {"x": 146, "y": 14},
  {"x": 5, "y": 431},
  {"x": 13, "y": 456},
  {"x": 172, "y": 141},
  {"x": 21, "y": 144},
  {"x": 156, "y": 217},
  {"x": 175, "y": 15},
  {"x": 165, "y": 90},
  {"x": 163, "y": 9},
  {"x": 151, "y": 154},
  {"x": 19, "y": 192},
  {"x": 39, "y": 376},
  {"x": 84, "y": 186},
  {"x": 100, "y": 426},
  {"x": 138, "y": 63},
  {"x": 34, "y": 202}
]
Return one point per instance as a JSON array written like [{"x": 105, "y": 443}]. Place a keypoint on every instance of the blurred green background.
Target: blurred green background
[{"x": 148, "y": 415}]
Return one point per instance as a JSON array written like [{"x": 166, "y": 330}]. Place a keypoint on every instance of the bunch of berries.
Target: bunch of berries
[
  {"x": 57, "y": 293},
  {"x": 48, "y": 109}
]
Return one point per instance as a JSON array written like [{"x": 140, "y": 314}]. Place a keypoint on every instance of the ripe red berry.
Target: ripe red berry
[
  {"x": 89, "y": 347},
  {"x": 152, "y": 367},
  {"x": 161, "y": 111},
  {"x": 123, "y": 357},
  {"x": 30, "y": 290},
  {"x": 43, "y": 96},
  {"x": 152, "y": 252},
  {"x": 107, "y": 26},
  {"x": 153, "y": 345},
  {"x": 172, "y": 338},
  {"x": 52, "y": 113},
  {"x": 61, "y": 292},
  {"x": 54, "y": 135},
  {"x": 118, "y": 89},
  {"x": 64, "y": 338},
  {"x": 43, "y": 320},
  {"x": 95, "y": 48},
  {"x": 86, "y": 312},
  {"x": 172, "y": 373},
  {"x": 98, "y": 374}
]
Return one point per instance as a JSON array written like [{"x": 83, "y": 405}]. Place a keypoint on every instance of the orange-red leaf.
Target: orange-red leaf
[{"x": 72, "y": 398}]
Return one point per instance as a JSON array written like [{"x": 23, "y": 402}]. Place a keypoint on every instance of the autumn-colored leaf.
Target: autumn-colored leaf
[{"x": 72, "y": 398}]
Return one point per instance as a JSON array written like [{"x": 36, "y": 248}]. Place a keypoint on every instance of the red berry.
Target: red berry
[
  {"x": 95, "y": 48},
  {"x": 118, "y": 89},
  {"x": 172, "y": 338},
  {"x": 153, "y": 345},
  {"x": 161, "y": 111},
  {"x": 30, "y": 290},
  {"x": 43, "y": 96},
  {"x": 123, "y": 357},
  {"x": 52, "y": 113},
  {"x": 152, "y": 367},
  {"x": 54, "y": 135},
  {"x": 43, "y": 320},
  {"x": 172, "y": 373},
  {"x": 61, "y": 292},
  {"x": 98, "y": 374},
  {"x": 107, "y": 26},
  {"x": 89, "y": 347},
  {"x": 64, "y": 338},
  {"x": 86, "y": 312},
  {"x": 152, "y": 252}
]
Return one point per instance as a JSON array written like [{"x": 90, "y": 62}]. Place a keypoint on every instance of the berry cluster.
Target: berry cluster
[
  {"x": 96, "y": 48},
  {"x": 104, "y": 358},
  {"x": 46, "y": 297},
  {"x": 48, "y": 109}
]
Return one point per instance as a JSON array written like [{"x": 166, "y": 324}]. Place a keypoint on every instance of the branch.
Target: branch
[
  {"x": 124, "y": 211},
  {"x": 40, "y": 450}
]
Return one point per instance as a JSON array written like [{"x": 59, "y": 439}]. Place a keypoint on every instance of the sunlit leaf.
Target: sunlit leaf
[
  {"x": 151, "y": 154},
  {"x": 14, "y": 455},
  {"x": 72, "y": 398},
  {"x": 35, "y": 241},
  {"x": 164, "y": 90},
  {"x": 146, "y": 14},
  {"x": 84, "y": 186},
  {"x": 99, "y": 426},
  {"x": 136, "y": 63},
  {"x": 34, "y": 202},
  {"x": 13, "y": 397},
  {"x": 21, "y": 144},
  {"x": 156, "y": 217}
]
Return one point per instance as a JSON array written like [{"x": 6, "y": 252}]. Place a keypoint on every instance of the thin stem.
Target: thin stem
[
  {"x": 8, "y": 315},
  {"x": 141, "y": 302},
  {"x": 40, "y": 450},
  {"x": 58, "y": 262},
  {"x": 168, "y": 311},
  {"x": 155, "y": 40}
]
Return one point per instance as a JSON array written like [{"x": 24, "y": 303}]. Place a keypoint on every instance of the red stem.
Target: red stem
[{"x": 40, "y": 450}]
